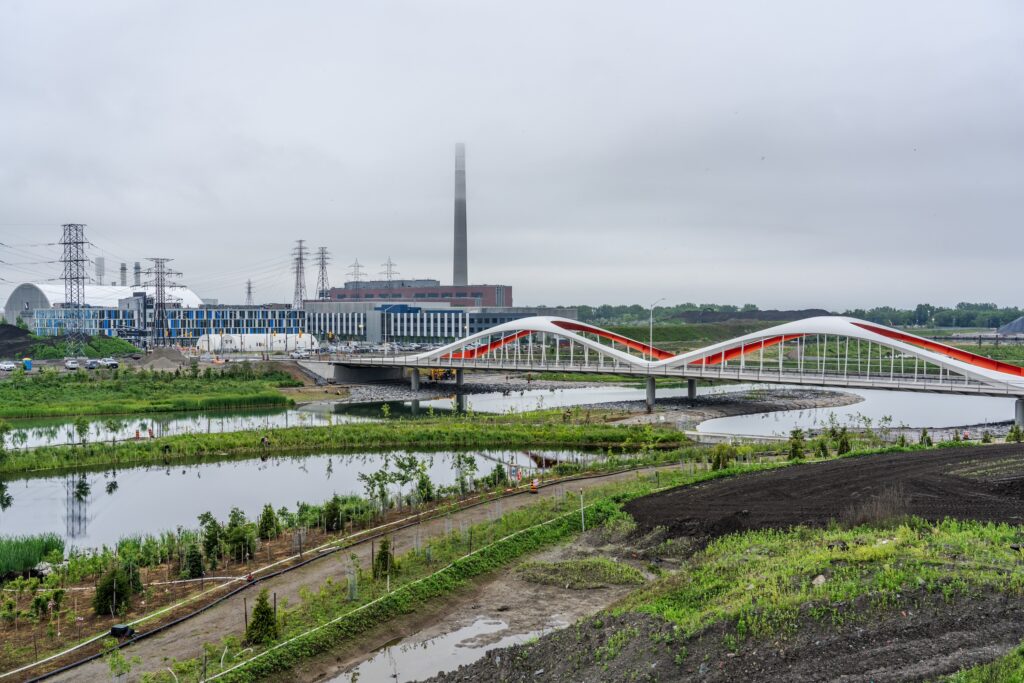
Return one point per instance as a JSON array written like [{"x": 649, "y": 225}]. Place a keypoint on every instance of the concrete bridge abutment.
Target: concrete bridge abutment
[
  {"x": 650, "y": 393},
  {"x": 414, "y": 379},
  {"x": 691, "y": 389},
  {"x": 1019, "y": 413}
]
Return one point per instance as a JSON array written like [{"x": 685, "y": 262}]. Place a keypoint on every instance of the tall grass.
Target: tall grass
[{"x": 20, "y": 553}]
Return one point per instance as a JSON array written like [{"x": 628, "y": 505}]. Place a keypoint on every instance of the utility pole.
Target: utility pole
[
  {"x": 299, "y": 266},
  {"x": 248, "y": 292},
  {"x": 160, "y": 280},
  {"x": 74, "y": 260},
  {"x": 323, "y": 285}
]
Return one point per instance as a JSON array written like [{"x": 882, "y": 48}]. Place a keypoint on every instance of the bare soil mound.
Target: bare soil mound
[{"x": 985, "y": 484}]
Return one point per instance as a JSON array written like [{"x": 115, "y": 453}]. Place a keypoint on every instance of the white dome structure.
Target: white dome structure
[{"x": 30, "y": 296}]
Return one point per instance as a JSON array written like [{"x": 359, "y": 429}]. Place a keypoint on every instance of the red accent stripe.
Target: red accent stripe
[
  {"x": 625, "y": 341},
  {"x": 952, "y": 352},
  {"x": 743, "y": 349},
  {"x": 486, "y": 348}
]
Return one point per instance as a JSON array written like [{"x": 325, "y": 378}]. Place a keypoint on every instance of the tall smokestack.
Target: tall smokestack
[
  {"x": 460, "y": 277},
  {"x": 124, "y": 274},
  {"x": 137, "y": 275}
]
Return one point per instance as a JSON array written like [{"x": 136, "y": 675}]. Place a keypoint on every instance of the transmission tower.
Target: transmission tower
[
  {"x": 160, "y": 279},
  {"x": 248, "y": 292},
  {"x": 299, "y": 266},
  {"x": 74, "y": 260},
  {"x": 323, "y": 285},
  {"x": 355, "y": 273},
  {"x": 389, "y": 271}
]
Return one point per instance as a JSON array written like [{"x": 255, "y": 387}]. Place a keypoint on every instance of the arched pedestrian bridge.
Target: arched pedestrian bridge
[{"x": 826, "y": 351}]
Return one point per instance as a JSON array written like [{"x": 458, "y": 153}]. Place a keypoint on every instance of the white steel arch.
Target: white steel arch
[{"x": 824, "y": 350}]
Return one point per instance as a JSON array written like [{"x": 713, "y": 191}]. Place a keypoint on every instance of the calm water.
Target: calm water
[
  {"x": 415, "y": 661},
  {"x": 49, "y": 432},
  {"x": 152, "y": 499},
  {"x": 905, "y": 408}
]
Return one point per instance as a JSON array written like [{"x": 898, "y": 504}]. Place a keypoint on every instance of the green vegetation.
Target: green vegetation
[
  {"x": 96, "y": 347},
  {"x": 18, "y": 554},
  {"x": 1003, "y": 670},
  {"x": 328, "y": 616},
  {"x": 426, "y": 435},
  {"x": 760, "y": 583},
  {"x": 595, "y": 572},
  {"x": 263, "y": 624},
  {"x": 124, "y": 390}
]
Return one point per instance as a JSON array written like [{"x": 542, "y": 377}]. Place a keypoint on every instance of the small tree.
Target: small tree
[
  {"x": 81, "y": 429},
  {"x": 843, "y": 445},
  {"x": 269, "y": 525},
  {"x": 384, "y": 561},
  {"x": 1015, "y": 435},
  {"x": 901, "y": 440},
  {"x": 823, "y": 448},
  {"x": 119, "y": 664},
  {"x": 213, "y": 535},
  {"x": 263, "y": 624},
  {"x": 194, "y": 568},
  {"x": 797, "y": 445},
  {"x": 425, "y": 488},
  {"x": 113, "y": 592},
  {"x": 722, "y": 456},
  {"x": 925, "y": 439}
]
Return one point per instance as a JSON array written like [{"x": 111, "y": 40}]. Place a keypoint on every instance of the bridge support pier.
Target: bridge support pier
[
  {"x": 650, "y": 393},
  {"x": 414, "y": 379},
  {"x": 691, "y": 389},
  {"x": 458, "y": 378},
  {"x": 1019, "y": 418}
]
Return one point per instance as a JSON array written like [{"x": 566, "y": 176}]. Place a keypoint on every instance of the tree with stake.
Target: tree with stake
[
  {"x": 269, "y": 526},
  {"x": 925, "y": 439},
  {"x": 383, "y": 562},
  {"x": 262, "y": 628}
]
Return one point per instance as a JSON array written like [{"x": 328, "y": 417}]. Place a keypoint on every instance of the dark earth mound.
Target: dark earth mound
[
  {"x": 926, "y": 639},
  {"x": 965, "y": 483}
]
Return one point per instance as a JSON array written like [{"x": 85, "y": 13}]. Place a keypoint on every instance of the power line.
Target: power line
[
  {"x": 323, "y": 285},
  {"x": 300, "y": 252}
]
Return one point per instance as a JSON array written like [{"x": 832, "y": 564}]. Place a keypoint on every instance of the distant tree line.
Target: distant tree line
[{"x": 964, "y": 314}]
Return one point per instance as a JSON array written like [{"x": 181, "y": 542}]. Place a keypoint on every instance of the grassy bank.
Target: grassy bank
[
  {"x": 420, "y": 435},
  {"x": 127, "y": 391},
  {"x": 327, "y": 617}
]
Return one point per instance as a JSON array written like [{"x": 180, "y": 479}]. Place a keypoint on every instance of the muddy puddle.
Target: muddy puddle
[{"x": 413, "y": 659}]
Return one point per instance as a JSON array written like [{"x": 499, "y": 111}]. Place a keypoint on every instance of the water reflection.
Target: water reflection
[
  {"x": 914, "y": 410},
  {"x": 96, "y": 508}
]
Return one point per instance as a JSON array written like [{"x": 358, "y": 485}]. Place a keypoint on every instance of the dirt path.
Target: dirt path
[
  {"x": 497, "y": 610},
  {"x": 186, "y": 640}
]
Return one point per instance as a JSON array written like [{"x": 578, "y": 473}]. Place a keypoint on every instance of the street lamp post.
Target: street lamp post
[{"x": 650, "y": 334}]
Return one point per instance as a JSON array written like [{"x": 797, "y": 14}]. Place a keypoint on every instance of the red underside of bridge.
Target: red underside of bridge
[{"x": 958, "y": 354}]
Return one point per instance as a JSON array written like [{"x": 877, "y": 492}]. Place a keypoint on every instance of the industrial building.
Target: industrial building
[{"x": 401, "y": 310}]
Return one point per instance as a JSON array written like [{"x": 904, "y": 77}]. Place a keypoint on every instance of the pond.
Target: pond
[
  {"x": 29, "y": 433},
  {"x": 92, "y": 509},
  {"x": 905, "y": 408}
]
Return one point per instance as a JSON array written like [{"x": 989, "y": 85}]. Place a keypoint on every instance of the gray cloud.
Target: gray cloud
[{"x": 789, "y": 154}]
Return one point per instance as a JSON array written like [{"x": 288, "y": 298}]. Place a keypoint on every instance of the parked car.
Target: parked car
[
  {"x": 299, "y": 353},
  {"x": 92, "y": 364},
  {"x": 71, "y": 364},
  {"x": 7, "y": 366},
  {"x": 108, "y": 362}
]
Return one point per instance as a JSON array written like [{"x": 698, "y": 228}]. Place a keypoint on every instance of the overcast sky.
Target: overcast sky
[{"x": 789, "y": 154}]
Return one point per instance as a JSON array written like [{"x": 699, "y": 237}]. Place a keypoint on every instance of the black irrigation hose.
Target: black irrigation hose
[{"x": 325, "y": 553}]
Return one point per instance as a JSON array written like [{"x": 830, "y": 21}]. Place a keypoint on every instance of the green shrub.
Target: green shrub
[
  {"x": 263, "y": 623},
  {"x": 114, "y": 592},
  {"x": 194, "y": 568},
  {"x": 269, "y": 527},
  {"x": 384, "y": 561},
  {"x": 796, "y": 444}
]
